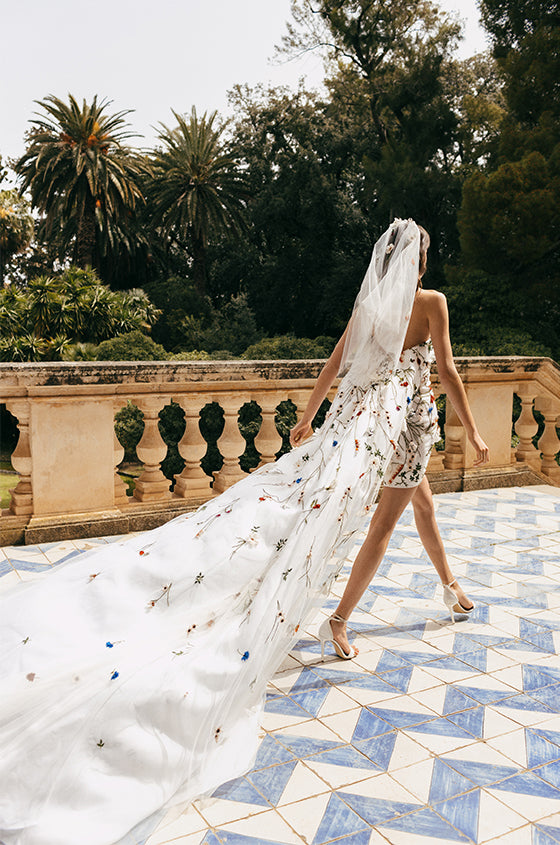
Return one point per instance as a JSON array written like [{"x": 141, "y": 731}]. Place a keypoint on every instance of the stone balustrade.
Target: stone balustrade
[{"x": 67, "y": 453}]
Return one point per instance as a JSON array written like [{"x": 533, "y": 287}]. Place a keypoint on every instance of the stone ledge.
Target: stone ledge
[{"x": 463, "y": 480}]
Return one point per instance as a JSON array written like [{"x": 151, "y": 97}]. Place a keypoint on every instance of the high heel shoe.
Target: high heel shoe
[
  {"x": 326, "y": 636},
  {"x": 452, "y": 603}
]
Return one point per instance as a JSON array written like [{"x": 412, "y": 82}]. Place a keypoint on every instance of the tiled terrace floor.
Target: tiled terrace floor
[{"x": 436, "y": 733}]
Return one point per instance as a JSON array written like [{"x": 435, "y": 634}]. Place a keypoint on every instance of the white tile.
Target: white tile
[
  {"x": 531, "y": 807},
  {"x": 480, "y": 752},
  {"x": 313, "y": 729},
  {"x": 303, "y": 783},
  {"x": 219, "y": 811},
  {"x": 343, "y": 724},
  {"x": 497, "y": 723},
  {"x": 269, "y": 824},
  {"x": 437, "y": 744},
  {"x": 433, "y": 699},
  {"x": 406, "y": 752},
  {"x": 421, "y": 680},
  {"x": 336, "y": 702},
  {"x": 416, "y": 779},
  {"x": 338, "y": 777},
  {"x": 528, "y": 718},
  {"x": 384, "y": 787},
  {"x": 512, "y": 677},
  {"x": 188, "y": 822},
  {"x": 279, "y": 722},
  {"x": 496, "y": 819},
  {"x": 305, "y": 816},
  {"x": 402, "y": 837},
  {"x": 512, "y": 745}
]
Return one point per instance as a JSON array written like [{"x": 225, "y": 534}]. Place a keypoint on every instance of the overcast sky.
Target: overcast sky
[{"x": 151, "y": 55}]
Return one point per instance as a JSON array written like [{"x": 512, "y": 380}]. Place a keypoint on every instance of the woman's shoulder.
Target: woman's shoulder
[{"x": 433, "y": 300}]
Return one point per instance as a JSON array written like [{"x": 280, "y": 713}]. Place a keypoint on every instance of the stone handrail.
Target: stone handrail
[{"x": 67, "y": 453}]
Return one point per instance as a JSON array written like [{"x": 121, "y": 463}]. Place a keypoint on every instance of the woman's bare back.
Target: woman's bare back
[{"x": 419, "y": 330}]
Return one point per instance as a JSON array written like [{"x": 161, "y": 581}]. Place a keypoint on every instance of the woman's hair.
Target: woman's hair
[{"x": 423, "y": 262}]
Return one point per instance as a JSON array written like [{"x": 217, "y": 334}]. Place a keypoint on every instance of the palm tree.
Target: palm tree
[
  {"x": 82, "y": 176},
  {"x": 197, "y": 191}
]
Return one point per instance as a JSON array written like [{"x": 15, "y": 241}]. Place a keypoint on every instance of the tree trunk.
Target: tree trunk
[
  {"x": 85, "y": 236},
  {"x": 199, "y": 265}
]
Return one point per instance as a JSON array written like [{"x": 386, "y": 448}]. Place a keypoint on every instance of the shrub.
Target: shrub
[
  {"x": 133, "y": 346},
  {"x": 290, "y": 347}
]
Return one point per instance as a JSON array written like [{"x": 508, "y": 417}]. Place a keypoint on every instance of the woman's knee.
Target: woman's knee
[{"x": 422, "y": 501}]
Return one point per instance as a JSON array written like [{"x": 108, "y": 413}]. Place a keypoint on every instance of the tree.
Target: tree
[
  {"x": 53, "y": 312},
  {"x": 83, "y": 178},
  {"x": 197, "y": 191},
  {"x": 16, "y": 227}
]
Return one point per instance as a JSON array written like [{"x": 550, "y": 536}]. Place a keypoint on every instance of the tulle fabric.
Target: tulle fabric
[{"x": 133, "y": 677}]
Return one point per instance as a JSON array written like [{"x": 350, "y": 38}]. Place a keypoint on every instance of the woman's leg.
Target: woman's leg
[
  {"x": 392, "y": 503},
  {"x": 426, "y": 525}
]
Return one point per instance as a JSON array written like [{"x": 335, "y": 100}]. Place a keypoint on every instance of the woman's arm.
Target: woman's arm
[
  {"x": 303, "y": 428},
  {"x": 438, "y": 318}
]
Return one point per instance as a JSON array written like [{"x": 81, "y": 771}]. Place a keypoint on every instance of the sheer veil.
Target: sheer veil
[{"x": 382, "y": 308}]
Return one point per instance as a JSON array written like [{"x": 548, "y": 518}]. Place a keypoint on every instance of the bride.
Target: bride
[{"x": 133, "y": 678}]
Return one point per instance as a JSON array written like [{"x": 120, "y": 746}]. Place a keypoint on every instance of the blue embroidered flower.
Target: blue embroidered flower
[
  {"x": 408, "y": 400},
  {"x": 245, "y": 655},
  {"x": 335, "y": 443},
  {"x": 114, "y": 675},
  {"x": 109, "y": 645},
  {"x": 298, "y": 480}
]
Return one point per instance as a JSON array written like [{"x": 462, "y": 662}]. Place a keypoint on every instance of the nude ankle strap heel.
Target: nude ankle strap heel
[
  {"x": 452, "y": 603},
  {"x": 326, "y": 636}
]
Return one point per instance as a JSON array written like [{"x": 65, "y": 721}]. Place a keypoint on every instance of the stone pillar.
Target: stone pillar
[
  {"x": 268, "y": 441},
  {"x": 549, "y": 444},
  {"x": 22, "y": 495},
  {"x": 152, "y": 484},
  {"x": 455, "y": 439},
  {"x": 192, "y": 483},
  {"x": 120, "y": 487},
  {"x": 526, "y": 427},
  {"x": 231, "y": 444}
]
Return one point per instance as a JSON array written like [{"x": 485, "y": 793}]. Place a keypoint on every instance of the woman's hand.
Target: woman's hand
[
  {"x": 300, "y": 432},
  {"x": 482, "y": 453}
]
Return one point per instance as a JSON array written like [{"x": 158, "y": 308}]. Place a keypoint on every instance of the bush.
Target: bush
[
  {"x": 290, "y": 347},
  {"x": 231, "y": 327},
  {"x": 133, "y": 346}
]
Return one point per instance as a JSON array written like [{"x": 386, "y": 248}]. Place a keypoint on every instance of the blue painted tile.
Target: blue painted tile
[
  {"x": 271, "y": 782},
  {"x": 312, "y": 700},
  {"x": 389, "y": 661},
  {"x": 462, "y": 812},
  {"x": 378, "y": 749},
  {"x": 361, "y": 838},
  {"x": 550, "y": 696},
  {"x": 5, "y": 568},
  {"x": 426, "y": 823},
  {"x": 546, "y": 835},
  {"x": 271, "y": 753},
  {"x": 456, "y": 700},
  {"x": 487, "y": 696},
  {"x": 346, "y": 755},
  {"x": 528, "y": 783},
  {"x": 471, "y": 721},
  {"x": 542, "y": 746},
  {"x": 447, "y": 783},
  {"x": 451, "y": 664},
  {"x": 240, "y": 789},
  {"x": 550, "y": 773},
  {"x": 401, "y": 718},
  {"x": 524, "y": 702},
  {"x": 376, "y": 811},
  {"x": 308, "y": 680},
  {"x": 370, "y": 724},
  {"x": 482, "y": 774},
  {"x": 337, "y": 820},
  {"x": 441, "y": 727},
  {"x": 286, "y": 707},
  {"x": 212, "y": 839},
  {"x": 30, "y": 565},
  {"x": 537, "y": 635},
  {"x": 398, "y": 678},
  {"x": 534, "y": 678},
  {"x": 303, "y": 746}
]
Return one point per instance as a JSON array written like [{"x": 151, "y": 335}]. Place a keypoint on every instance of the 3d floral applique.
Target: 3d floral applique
[
  {"x": 199, "y": 578},
  {"x": 244, "y": 656},
  {"x": 114, "y": 675}
]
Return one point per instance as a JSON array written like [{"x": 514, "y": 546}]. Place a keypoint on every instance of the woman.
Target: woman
[
  {"x": 133, "y": 677},
  {"x": 404, "y": 481}
]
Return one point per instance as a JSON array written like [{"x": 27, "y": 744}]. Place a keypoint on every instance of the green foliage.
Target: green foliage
[
  {"x": 197, "y": 189},
  {"x": 290, "y": 347},
  {"x": 43, "y": 320},
  {"x": 16, "y": 227},
  {"x": 177, "y": 298},
  {"x": 83, "y": 178},
  {"x": 132, "y": 346},
  {"x": 129, "y": 426},
  {"x": 230, "y": 328}
]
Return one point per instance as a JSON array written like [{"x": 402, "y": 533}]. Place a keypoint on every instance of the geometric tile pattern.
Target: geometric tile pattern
[{"x": 437, "y": 732}]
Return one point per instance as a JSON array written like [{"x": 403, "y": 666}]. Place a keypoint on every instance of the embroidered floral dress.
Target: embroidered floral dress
[{"x": 133, "y": 677}]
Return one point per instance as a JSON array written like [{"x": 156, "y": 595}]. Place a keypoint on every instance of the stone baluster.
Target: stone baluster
[
  {"x": 268, "y": 441},
  {"x": 549, "y": 444},
  {"x": 526, "y": 427},
  {"x": 22, "y": 495},
  {"x": 152, "y": 484},
  {"x": 300, "y": 399},
  {"x": 455, "y": 440},
  {"x": 231, "y": 444},
  {"x": 118, "y": 450},
  {"x": 192, "y": 483}
]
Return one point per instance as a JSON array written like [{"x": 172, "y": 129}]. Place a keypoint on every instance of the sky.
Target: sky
[{"x": 152, "y": 56}]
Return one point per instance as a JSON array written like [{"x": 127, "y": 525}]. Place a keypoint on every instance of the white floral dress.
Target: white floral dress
[{"x": 133, "y": 677}]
